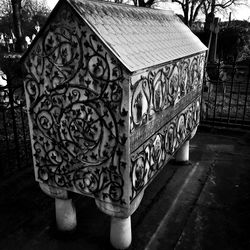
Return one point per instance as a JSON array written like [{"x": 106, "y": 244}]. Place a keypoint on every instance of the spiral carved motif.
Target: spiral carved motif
[
  {"x": 77, "y": 95},
  {"x": 75, "y": 102}
]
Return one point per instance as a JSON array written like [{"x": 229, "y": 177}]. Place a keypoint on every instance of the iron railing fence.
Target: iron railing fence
[
  {"x": 226, "y": 95},
  {"x": 15, "y": 147}
]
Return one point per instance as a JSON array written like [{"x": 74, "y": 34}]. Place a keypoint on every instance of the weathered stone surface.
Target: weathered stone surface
[{"x": 105, "y": 115}]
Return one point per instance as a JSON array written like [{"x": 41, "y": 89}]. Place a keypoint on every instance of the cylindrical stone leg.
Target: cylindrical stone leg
[
  {"x": 120, "y": 232},
  {"x": 65, "y": 215},
  {"x": 182, "y": 156}
]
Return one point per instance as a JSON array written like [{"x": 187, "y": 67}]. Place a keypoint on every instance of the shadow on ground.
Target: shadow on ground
[{"x": 205, "y": 205}]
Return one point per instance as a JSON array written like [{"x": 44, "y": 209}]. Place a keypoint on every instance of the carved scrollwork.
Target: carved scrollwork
[
  {"x": 85, "y": 131},
  {"x": 75, "y": 93},
  {"x": 140, "y": 172},
  {"x": 148, "y": 160},
  {"x": 75, "y": 99},
  {"x": 170, "y": 139},
  {"x": 163, "y": 88},
  {"x": 140, "y": 100}
]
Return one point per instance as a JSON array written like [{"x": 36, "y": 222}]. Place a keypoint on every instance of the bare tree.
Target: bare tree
[
  {"x": 17, "y": 24},
  {"x": 191, "y": 9},
  {"x": 18, "y": 10},
  {"x": 144, "y": 3},
  {"x": 33, "y": 7},
  {"x": 210, "y": 8}
]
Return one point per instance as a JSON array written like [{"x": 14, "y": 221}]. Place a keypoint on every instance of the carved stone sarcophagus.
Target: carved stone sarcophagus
[{"x": 113, "y": 91}]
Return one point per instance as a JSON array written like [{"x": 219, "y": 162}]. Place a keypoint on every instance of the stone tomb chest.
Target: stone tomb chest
[{"x": 113, "y": 91}]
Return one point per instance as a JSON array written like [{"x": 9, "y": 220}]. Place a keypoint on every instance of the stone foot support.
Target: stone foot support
[
  {"x": 120, "y": 228},
  {"x": 64, "y": 208},
  {"x": 182, "y": 156},
  {"x": 120, "y": 232},
  {"x": 65, "y": 215}
]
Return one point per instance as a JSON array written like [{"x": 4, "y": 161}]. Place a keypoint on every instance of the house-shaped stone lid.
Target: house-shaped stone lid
[{"x": 139, "y": 37}]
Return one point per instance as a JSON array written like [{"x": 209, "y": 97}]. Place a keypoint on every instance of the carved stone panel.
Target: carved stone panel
[
  {"x": 155, "y": 152},
  {"x": 164, "y": 109},
  {"x": 159, "y": 94},
  {"x": 75, "y": 93}
]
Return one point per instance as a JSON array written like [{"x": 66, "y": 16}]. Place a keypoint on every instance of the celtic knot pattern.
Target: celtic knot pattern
[{"x": 75, "y": 101}]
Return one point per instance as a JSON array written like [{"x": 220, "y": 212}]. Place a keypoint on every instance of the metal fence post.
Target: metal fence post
[{"x": 11, "y": 100}]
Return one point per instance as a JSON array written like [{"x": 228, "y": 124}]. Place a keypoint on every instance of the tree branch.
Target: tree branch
[
  {"x": 225, "y": 4},
  {"x": 149, "y": 3},
  {"x": 177, "y": 1}
]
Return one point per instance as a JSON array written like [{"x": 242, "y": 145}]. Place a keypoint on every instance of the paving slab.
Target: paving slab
[{"x": 220, "y": 218}]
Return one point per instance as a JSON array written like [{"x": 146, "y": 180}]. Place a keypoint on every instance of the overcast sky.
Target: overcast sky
[{"x": 240, "y": 13}]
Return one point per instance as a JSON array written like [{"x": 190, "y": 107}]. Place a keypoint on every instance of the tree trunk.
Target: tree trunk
[
  {"x": 213, "y": 6},
  {"x": 186, "y": 16},
  {"x": 210, "y": 17},
  {"x": 142, "y": 3},
  {"x": 17, "y": 25},
  {"x": 135, "y": 2},
  {"x": 186, "y": 12}
]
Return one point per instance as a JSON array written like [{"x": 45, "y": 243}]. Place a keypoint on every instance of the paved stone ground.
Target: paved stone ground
[
  {"x": 221, "y": 216},
  {"x": 205, "y": 205}
]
